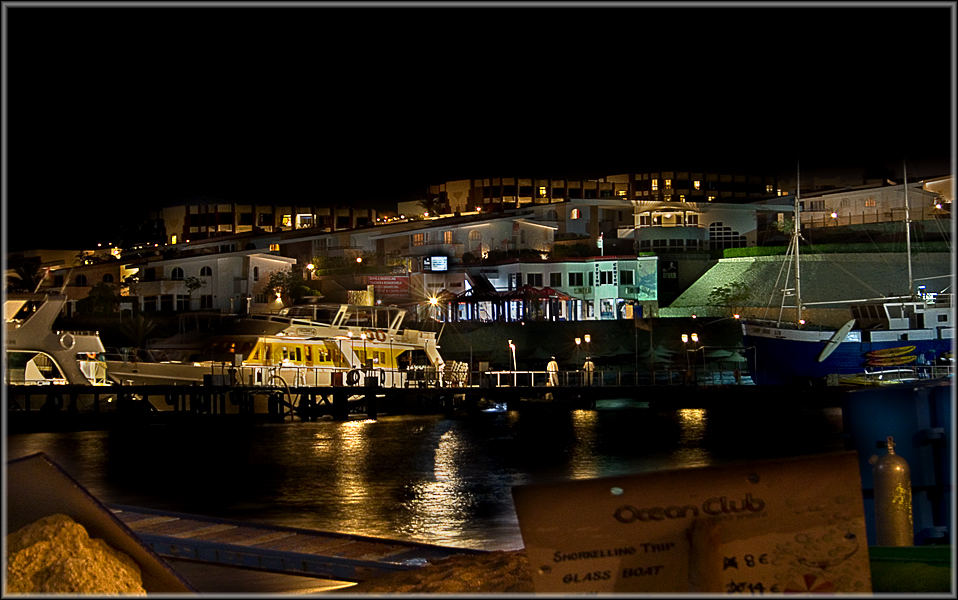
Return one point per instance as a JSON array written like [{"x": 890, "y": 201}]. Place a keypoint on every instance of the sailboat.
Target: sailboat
[{"x": 882, "y": 332}]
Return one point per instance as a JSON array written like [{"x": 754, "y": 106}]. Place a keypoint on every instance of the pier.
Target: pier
[{"x": 53, "y": 407}]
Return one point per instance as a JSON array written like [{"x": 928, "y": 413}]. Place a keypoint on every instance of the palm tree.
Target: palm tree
[
  {"x": 137, "y": 329},
  {"x": 26, "y": 276}
]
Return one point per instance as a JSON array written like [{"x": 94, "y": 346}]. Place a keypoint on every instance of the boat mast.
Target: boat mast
[
  {"x": 911, "y": 281},
  {"x": 795, "y": 235}
]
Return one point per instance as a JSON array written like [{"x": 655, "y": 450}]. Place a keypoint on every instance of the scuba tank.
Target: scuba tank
[{"x": 893, "y": 511}]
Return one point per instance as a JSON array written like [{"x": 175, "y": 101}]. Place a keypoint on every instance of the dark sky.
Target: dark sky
[{"x": 111, "y": 110}]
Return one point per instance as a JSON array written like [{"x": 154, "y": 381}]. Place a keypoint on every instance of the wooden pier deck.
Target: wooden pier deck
[
  {"x": 53, "y": 407},
  {"x": 286, "y": 550}
]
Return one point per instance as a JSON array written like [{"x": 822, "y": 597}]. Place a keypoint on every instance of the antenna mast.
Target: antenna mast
[
  {"x": 911, "y": 280},
  {"x": 798, "y": 230}
]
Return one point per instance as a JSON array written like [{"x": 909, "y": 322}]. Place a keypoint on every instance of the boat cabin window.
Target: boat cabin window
[{"x": 413, "y": 358}]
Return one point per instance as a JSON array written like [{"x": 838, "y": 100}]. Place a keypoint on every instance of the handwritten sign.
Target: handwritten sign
[{"x": 791, "y": 525}]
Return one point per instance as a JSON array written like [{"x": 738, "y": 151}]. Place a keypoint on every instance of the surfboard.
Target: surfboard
[
  {"x": 891, "y": 361},
  {"x": 837, "y": 338},
  {"x": 887, "y": 352}
]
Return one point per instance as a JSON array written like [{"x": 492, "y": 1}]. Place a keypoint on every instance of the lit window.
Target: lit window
[
  {"x": 869, "y": 202},
  {"x": 668, "y": 183},
  {"x": 655, "y": 185},
  {"x": 274, "y": 247},
  {"x": 681, "y": 197},
  {"x": 575, "y": 213},
  {"x": 542, "y": 191},
  {"x": 621, "y": 193},
  {"x": 419, "y": 239},
  {"x": 446, "y": 237},
  {"x": 697, "y": 184},
  {"x": 173, "y": 239},
  {"x": 287, "y": 220},
  {"x": 769, "y": 188}
]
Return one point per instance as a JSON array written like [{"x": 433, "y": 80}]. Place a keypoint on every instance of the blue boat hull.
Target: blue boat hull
[{"x": 780, "y": 361}]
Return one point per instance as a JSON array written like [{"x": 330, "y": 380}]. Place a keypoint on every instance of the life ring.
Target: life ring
[
  {"x": 352, "y": 378},
  {"x": 369, "y": 333},
  {"x": 380, "y": 335},
  {"x": 67, "y": 341}
]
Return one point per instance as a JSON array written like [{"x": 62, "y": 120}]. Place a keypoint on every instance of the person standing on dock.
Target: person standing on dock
[
  {"x": 588, "y": 367},
  {"x": 553, "y": 369}
]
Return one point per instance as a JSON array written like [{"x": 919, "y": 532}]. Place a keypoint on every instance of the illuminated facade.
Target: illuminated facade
[
  {"x": 881, "y": 204},
  {"x": 597, "y": 288},
  {"x": 696, "y": 226},
  {"x": 501, "y": 193},
  {"x": 198, "y": 220},
  {"x": 697, "y": 186},
  {"x": 232, "y": 282}
]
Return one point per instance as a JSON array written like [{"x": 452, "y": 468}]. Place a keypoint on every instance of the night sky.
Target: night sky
[{"x": 113, "y": 110}]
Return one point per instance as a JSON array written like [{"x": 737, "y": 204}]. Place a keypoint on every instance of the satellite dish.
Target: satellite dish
[{"x": 837, "y": 338}]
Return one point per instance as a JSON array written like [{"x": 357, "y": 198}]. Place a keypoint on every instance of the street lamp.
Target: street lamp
[
  {"x": 434, "y": 302},
  {"x": 512, "y": 347},
  {"x": 309, "y": 270},
  {"x": 365, "y": 353},
  {"x": 588, "y": 343},
  {"x": 694, "y": 339},
  {"x": 578, "y": 341}
]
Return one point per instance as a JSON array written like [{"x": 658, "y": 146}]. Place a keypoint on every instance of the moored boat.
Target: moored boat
[
  {"x": 891, "y": 331},
  {"x": 38, "y": 354},
  {"x": 359, "y": 343}
]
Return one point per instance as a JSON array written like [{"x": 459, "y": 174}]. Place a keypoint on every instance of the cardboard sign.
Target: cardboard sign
[{"x": 771, "y": 527}]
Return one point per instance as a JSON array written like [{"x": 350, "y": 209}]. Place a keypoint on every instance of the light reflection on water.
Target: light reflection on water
[{"x": 423, "y": 478}]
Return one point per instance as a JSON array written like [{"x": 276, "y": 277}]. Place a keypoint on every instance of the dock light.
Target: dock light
[
  {"x": 695, "y": 337},
  {"x": 938, "y": 205},
  {"x": 736, "y": 316},
  {"x": 588, "y": 339},
  {"x": 834, "y": 215},
  {"x": 801, "y": 321},
  {"x": 359, "y": 259},
  {"x": 695, "y": 316},
  {"x": 577, "y": 342},
  {"x": 685, "y": 338}
]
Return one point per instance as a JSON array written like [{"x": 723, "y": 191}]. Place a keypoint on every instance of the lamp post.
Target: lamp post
[
  {"x": 694, "y": 339},
  {"x": 309, "y": 270},
  {"x": 578, "y": 342},
  {"x": 512, "y": 347},
  {"x": 366, "y": 364},
  {"x": 588, "y": 343}
]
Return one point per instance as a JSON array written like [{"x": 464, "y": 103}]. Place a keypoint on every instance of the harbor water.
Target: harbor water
[{"x": 426, "y": 478}]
